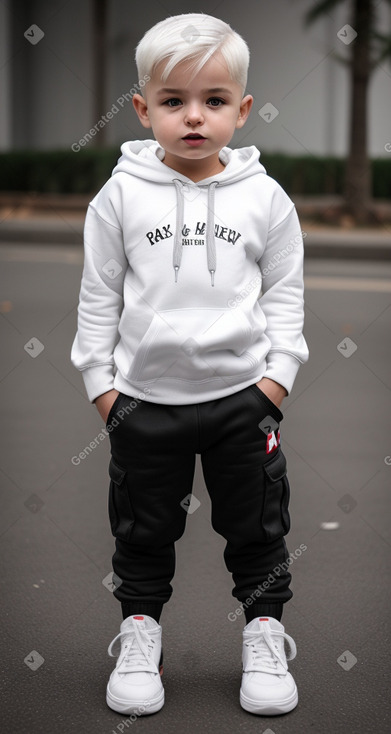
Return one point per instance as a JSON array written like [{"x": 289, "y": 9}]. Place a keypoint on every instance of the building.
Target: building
[{"x": 60, "y": 80}]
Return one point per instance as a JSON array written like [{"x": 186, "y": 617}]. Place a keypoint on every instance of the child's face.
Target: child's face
[{"x": 210, "y": 106}]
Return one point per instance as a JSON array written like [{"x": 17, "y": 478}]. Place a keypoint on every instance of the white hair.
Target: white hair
[{"x": 192, "y": 36}]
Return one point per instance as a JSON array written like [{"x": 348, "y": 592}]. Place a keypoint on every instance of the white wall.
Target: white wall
[{"x": 291, "y": 66}]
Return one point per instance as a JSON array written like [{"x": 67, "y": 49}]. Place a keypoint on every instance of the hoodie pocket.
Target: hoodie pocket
[{"x": 194, "y": 344}]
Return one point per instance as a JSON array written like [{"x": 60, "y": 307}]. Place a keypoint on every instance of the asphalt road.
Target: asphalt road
[{"x": 58, "y": 612}]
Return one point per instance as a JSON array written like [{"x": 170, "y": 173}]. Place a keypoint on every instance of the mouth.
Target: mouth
[{"x": 194, "y": 140}]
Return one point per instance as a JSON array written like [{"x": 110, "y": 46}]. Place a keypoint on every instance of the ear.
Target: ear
[
  {"x": 245, "y": 107},
  {"x": 140, "y": 105}
]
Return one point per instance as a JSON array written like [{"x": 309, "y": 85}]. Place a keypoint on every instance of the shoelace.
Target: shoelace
[
  {"x": 266, "y": 655},
  {"x": 137, "y": 650}
]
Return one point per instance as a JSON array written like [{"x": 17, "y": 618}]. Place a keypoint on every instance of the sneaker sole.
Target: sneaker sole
[
  {"x": 269, "y": 708},
  {"x": 140, "y": 709},
  {"x": 124, "y": 707}
]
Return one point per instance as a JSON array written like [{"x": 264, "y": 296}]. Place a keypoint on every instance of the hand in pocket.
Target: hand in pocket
[
  {"x": 105, "y": 402},
  {"x": 273, "y": 390}
]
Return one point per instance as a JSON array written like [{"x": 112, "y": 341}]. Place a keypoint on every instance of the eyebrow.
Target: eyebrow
[{"x": 215, "y": 90}]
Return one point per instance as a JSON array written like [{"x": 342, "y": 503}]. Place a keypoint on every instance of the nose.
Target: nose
[{"x": 193, "y": 115}]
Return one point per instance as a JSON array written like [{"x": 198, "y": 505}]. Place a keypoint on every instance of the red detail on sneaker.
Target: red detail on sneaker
[
  {"x": 263, "y": 619},
  {"x": 138, "y": 617}
]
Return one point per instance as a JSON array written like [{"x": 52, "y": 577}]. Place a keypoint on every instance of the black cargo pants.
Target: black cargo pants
[{"x": 153, "y": 450}]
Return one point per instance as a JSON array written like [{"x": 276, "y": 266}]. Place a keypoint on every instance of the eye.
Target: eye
[
  {"x": 215, "y": 101},
  {"x": 173, "y": 102}
]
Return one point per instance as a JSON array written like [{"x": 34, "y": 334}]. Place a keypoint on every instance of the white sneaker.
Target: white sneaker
[
  {"x": 135, "y": 685},
  {"x": 267, "y": 687}
]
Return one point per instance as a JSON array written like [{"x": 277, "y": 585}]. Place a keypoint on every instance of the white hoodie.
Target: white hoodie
[{"x": 191, "y": 290}]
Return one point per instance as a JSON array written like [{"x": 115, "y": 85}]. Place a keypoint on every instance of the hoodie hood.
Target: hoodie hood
[{"x": 144, "y": 159}]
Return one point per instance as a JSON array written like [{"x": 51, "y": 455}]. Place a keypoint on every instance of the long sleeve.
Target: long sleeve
[
  {"x": 282, "y": 299},
  {"x": 100, "y": 303}
]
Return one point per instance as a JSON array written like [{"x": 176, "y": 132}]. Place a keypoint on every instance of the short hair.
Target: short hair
[{"x": 192, "y": 36}]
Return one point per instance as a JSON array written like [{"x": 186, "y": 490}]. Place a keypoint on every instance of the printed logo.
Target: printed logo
[
  {"x": 221, "y": 233},
  {"x": 272, "y": 441}
]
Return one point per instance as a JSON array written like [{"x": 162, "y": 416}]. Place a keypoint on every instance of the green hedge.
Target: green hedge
[
  {"x": 85, "y": 172},
  {"x": 58, "y": 171}
]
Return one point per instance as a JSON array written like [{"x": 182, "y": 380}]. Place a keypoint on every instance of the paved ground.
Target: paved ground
[{"x": 58, "y": 616}]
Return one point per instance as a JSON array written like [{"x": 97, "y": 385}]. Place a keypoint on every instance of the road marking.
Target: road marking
[
  {"x": 324, "y": 283},
  {"x": 42, "y": 254}
]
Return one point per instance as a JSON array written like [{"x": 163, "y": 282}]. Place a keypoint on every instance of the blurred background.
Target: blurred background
[{"x": 320, "y": 75}]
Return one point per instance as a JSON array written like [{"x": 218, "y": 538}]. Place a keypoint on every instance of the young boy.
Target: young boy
[{"x": 189, "y": 337}]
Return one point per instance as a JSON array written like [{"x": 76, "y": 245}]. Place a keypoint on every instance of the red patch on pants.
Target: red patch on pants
[{"x": 272, "y": 442}]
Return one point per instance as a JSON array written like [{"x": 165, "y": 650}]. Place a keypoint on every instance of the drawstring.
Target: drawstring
[
  {"x": 210, "y": 231},
  {"x": 210, "y": 237},
  {"x": 177, "y": 253}
]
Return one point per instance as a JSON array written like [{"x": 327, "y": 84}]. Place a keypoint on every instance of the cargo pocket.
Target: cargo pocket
[
  {"x": 275, "y": 515},
  {"x": 120, "y": 508}
]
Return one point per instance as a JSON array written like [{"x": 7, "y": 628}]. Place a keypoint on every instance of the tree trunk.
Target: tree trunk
[{"x": 358, "y": 179}]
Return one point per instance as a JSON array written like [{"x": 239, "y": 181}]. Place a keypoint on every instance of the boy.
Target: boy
[{"x": 189, "y": 337}]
